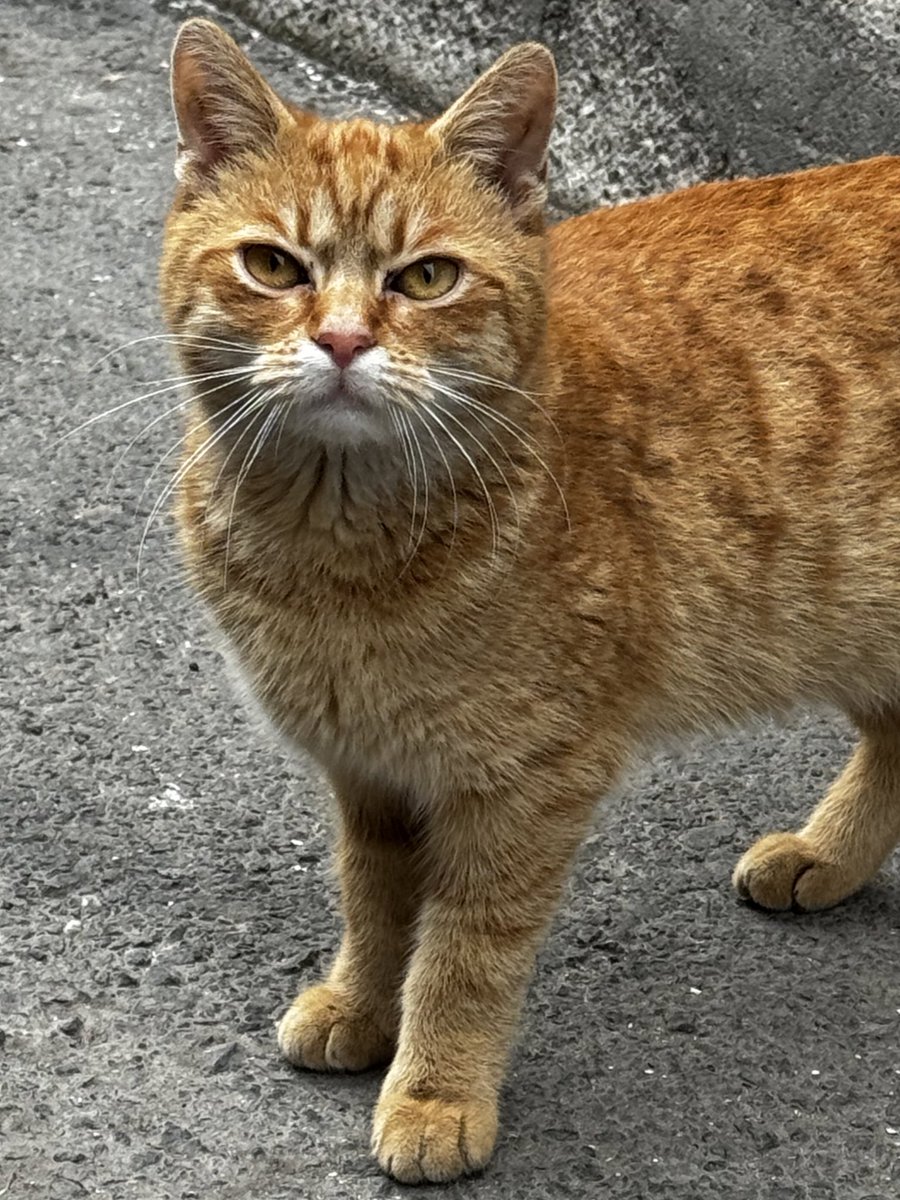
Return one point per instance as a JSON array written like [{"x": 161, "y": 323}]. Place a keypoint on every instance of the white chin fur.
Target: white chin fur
[
  {"x": 338, "y": 423},
  {"x": 355, "y": 416}
]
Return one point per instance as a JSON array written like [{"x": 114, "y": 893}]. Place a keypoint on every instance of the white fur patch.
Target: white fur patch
[
  {"x": 322, "y": 226},
  {"x": 343, "y": 318},
  {"x": 207, "y": 312},
  {"x": 416, "y": 225},
  {"x": 288, "y": 214},
  {"x": 258, "y": 233}
]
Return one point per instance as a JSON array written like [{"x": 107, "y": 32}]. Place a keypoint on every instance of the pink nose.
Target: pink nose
[{"x": 343, "y": 347}]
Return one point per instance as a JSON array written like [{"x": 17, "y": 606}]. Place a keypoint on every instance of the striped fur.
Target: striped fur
[{"x": 652, "y": 489}]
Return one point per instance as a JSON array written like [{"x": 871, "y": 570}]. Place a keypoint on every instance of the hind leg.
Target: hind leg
[{"x": 847, "y": 838}]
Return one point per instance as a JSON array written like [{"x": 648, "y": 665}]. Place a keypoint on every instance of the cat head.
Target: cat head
[{"x": 348, "y": 271}]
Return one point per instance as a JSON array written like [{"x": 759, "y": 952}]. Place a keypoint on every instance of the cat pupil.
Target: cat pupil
[{"x": 428, "y": 272}]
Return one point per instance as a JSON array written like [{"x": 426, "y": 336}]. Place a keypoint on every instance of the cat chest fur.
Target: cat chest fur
[{"x": 385, "y": 693}]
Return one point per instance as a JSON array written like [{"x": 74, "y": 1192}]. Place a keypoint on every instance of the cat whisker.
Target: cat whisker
[
  {"x": 422, "y": 414},
  {"x": 246, "y": 467},
  {"x": 416, "y": 445},
  {"x": 414, "y": 397},
  {"x": 254, "y": 402},
  {"x": 161, "y": 417},
  {"x": 192, "y": 377},
  {"x": 480, "y": 377},
  {"x": 476, "y": 416},
  {"x": 214, "y": 342},
  {"x": 236, "y": 403},
  {"x": 515, "y": 431},
  {"x": 176, "y": 338},
  {"x": 489, "y": 456},
  {"x": 416, "y": 450},
  {"x": 467, "y": 376},
  {"x": 232, "y": 372},
  {"x": 285, "y": 409},
  {"x": 145, "y": 429},
  {"x": 411, "y": 471},
  {"x": 426, "y": 488},
  {"x": 492, "y": 509},
  {"x": 186, "y": 466}
]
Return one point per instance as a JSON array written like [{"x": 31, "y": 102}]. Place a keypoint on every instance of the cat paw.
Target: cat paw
[
  {"x": 323, "y": 1032},
  {"x": 784, "y": 871},
  {"x": 418, "y": 1141}
]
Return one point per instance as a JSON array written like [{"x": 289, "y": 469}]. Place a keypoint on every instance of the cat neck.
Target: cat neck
[{"x": 367, "y": 514}]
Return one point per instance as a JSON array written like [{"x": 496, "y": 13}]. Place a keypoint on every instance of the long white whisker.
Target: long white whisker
[
  {"x": 515, "y": 430},
  {"x": 173, "y": 483},
  {"x": 426, "y": 490},
  {"x": 479, "y": 377},
  {"x": 144, "y": 430},
  {"x": 182, "y": 338},
  {"x": 246, "y": 466},
  {"x": 422, "y": 414},
  {"x": 285, "y": 408},
  {"x": 161, "y": 417},
  {"x": 507, "y": 423},
  {"x": 451, "y": 395},
  {"x": 402, "y": 438},
  {"x": 512, "y": 496},
  {"x": 233, "y": 372},
  {"x": 252, "y": 404},
  {"x": 490, "y": 381},
  {"x": 495, "y": 524},
  {"x": 190, "y": 377},
  {"x": 232, "y": 404},
  {"x": 415, "y": 451}
]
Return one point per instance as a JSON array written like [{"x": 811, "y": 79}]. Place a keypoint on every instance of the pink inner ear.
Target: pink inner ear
[
  {"x": 222, "y": 105},
  {"x": 203, "y": 136}
]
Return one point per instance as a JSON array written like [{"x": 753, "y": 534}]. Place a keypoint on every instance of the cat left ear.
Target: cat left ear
[
  {"x": 223, "y": 106},
  {"x": 503, "y": 125}
]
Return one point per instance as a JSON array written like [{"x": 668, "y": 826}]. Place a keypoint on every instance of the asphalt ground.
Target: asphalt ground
[{"x": 164, "y": 882}]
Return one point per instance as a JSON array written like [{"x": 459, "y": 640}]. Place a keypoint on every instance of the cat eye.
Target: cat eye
[
  {"x": 426, "y": 279},
  {"x": 274, "y": 267}
]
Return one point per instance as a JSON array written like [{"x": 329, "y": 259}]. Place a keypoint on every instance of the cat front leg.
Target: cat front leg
[
  {"x": 349, "y": 1021},
  {"x": 497, "y": 866}
]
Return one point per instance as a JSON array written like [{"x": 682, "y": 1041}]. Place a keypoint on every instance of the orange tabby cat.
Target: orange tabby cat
[{"x": 482, "y": 511}]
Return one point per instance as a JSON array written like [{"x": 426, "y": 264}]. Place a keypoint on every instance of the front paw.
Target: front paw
[
  {"x": 324, "y": 1032},
  {"x": 432, "y": 1140}
]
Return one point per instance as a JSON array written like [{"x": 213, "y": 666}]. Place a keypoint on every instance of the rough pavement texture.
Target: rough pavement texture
[{"x": 163, "y": 871}]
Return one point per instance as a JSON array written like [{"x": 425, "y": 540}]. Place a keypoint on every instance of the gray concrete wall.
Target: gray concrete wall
[{"x": 655, "y": 93}]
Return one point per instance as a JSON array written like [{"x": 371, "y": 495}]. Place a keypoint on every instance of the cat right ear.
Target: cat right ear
[
  {"x": 223, "y": 106},
  {"x": 502, "y": 124}
]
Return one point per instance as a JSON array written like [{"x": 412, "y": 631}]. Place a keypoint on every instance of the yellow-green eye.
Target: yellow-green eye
[
  {"x": 274, "y": 267},
  {"x": 426, "y": 279}
]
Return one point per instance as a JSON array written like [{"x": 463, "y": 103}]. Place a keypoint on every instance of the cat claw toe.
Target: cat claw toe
[
  {"x": 783, "y": 871},
  {"x": 323, "y": 1032},
  {"x": 433, "y": 1141}
]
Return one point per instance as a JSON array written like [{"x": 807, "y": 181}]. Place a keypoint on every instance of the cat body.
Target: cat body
[
  {"x": 655, "y": 491},
  {"x": 730, "y": 525}
]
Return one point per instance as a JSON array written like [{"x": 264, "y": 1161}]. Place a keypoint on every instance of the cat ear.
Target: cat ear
[
  {"x": 223, "y": 106},
  {"x": 503, "y": 124}
]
